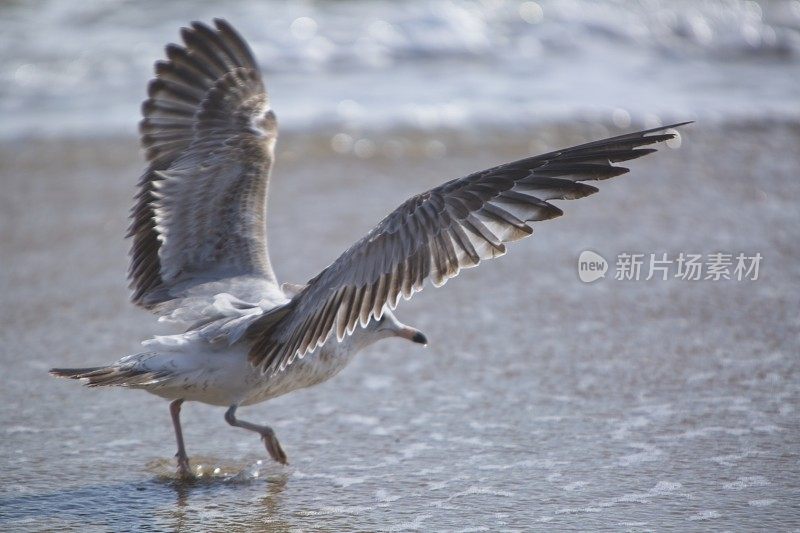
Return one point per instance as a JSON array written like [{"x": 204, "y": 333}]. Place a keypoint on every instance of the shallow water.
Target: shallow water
[
  {"x": 541, "y": 402},
  {"x": 80, "y": 67}
]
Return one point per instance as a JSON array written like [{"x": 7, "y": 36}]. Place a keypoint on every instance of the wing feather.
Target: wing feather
[
  {"x": 208, "y": 134},
  {"x": 434, "y": 235}
]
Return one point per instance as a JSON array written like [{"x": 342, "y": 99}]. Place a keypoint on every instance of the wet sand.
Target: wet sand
[{"x": 540, "y": 402}]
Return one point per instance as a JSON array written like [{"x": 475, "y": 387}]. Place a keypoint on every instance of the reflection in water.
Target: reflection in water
[
  {"x": 271, "y": 504},
  {"x": 159, "y": 503},
  {"x": 195, "y": 498}
]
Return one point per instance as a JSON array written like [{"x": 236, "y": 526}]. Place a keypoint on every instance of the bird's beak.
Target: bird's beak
[{"x": 412, "y": 334}]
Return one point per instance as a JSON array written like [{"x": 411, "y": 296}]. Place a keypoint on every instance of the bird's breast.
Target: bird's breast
[{"x": 313, "y": 369}]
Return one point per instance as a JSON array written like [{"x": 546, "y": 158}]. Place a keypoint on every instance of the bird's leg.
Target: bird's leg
[
  {"x": 266, "y": 432},
  {"x": 183, "y": 459}
]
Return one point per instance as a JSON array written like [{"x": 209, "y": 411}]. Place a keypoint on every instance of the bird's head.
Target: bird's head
[{"x": 389, "y": 326}]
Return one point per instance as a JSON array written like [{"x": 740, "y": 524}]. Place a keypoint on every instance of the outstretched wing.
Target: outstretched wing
[
  {"x": 433, "y": 236},
  {"x": 208, "y": 132}
]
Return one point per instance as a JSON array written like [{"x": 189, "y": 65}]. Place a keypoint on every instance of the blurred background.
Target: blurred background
[
  {"x": 78, "y": 68},
  {"x": 542, "y": 402}
]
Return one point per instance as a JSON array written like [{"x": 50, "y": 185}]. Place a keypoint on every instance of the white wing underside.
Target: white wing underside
[{"x": 223, "y": 317}]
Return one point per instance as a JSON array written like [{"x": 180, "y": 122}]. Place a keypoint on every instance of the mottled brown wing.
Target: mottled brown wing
[
  {"x": 433, "y": 236},
  {"x": 209, "y": 134}
]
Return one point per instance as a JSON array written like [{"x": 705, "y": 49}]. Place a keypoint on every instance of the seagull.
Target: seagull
[{"x": 199, "y": 255}]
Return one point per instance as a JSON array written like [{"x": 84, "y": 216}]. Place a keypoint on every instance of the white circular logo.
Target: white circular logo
[{"x": 591, "y": 266}]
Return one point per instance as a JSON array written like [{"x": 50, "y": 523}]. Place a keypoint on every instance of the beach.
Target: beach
[{"x": 543, "y": 401}]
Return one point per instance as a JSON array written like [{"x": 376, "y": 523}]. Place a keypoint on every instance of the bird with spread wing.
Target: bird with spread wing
[{"x": 199, "y": 250}]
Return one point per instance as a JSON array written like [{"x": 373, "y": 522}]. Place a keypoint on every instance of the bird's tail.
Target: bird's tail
[{"x": 120, "y": 375}]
